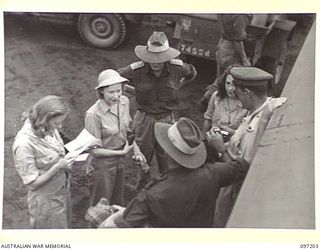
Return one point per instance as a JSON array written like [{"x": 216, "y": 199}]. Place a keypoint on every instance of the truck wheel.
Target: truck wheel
[{"x": 102, "y": 30}]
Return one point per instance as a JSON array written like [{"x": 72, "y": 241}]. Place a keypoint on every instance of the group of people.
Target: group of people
[
  {"x": 231, "y": 49},
  {"x": 200, "y": 170}
]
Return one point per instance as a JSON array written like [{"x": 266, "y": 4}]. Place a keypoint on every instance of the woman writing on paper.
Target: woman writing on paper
[
  {"x": 109, "y": 119},
  {"x": 40, "y": 160}
]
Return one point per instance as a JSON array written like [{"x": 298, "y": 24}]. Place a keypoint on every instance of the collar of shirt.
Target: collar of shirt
[
  {"x": 27, "y": 128},
  {"x": 54, "y": 141},
  {"x": 165, "y": 71},
  {"x": 104, "y": 107},
  {"x": 251, "y": 116}
]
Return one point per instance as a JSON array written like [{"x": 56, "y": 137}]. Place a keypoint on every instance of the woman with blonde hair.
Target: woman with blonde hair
[{"x": 40, "y": 160}]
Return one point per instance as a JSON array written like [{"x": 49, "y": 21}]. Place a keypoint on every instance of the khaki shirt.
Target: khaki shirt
[
  {"x": 245, "y": 141},
  {"x": 109, "y": 123},
  {"x": 34, "y": 156},
  {"x": 234, "y": 26},
  {"x": 158, "y": 94},
  {"x": 226, "y": 112}
]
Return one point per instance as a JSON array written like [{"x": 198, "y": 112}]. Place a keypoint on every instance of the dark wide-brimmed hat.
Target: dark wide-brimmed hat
[
  {"x": 157, "y": 49},
  {"x": 109, "y": 77},
  {"x": 182, "y": 141}
]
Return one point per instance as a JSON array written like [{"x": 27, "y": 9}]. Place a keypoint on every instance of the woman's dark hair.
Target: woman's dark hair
[
  {"x": 99, "y": 94},
  {"x": 221, "y": 81},
  {"x": 45, "y": 109},
  {"x": 222, "y": 93}
]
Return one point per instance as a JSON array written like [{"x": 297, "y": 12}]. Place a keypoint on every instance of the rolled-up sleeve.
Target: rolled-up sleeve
[
  {"x": 188, "y": 71},
  {"x": 126, "y": 72},
  {"x": 24, "y": 160},
  {"x": 239, "y": 27},
  {"x": 210, "y": 109},
  {"x": 93, "y": 124}
]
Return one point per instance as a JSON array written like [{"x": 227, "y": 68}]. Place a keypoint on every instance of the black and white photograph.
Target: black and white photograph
[{"x": 159, "y": 120}]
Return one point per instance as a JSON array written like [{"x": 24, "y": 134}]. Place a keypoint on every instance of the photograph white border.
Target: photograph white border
[{"x": 80, "y": 239}]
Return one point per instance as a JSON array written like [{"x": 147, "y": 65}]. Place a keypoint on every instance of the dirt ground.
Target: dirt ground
[{"x": 43, "y": 58}]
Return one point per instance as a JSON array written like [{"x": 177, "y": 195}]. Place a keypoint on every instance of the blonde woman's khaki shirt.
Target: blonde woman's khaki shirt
[{"x": 33, "y": 156}]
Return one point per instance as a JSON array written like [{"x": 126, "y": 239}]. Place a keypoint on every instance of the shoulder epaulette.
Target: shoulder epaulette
[
  {"x": 176, "y": 62},
  {"x": 137, "y": 65}
]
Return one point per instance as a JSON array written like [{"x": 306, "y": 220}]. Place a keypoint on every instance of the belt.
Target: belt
[{"x": 232, "y": 40}]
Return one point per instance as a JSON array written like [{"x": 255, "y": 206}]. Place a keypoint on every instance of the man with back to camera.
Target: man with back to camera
[{"x": 185, "y": 194}]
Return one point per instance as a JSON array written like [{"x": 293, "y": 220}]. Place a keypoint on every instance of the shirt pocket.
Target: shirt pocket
[
  {"x": 107, "y": 131},
  {"x": 169, "y": 91},
  {"x": 238, "y": 116},
  {"x": 144, "y": 93},
  {"x": 216, "y": 120},
  {"x": 46, "y": 161}
]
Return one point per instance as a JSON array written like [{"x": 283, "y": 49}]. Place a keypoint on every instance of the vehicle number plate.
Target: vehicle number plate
[{"x": 188, "y": 49}]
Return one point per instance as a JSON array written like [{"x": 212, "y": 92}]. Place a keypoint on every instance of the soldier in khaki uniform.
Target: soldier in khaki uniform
[
  {"x": 251, "y": 88},
  {"x": 157, "y": 79}
]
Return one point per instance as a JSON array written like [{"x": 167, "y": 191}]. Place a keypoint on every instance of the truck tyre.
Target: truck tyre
[{"x": 105, "y": 31}]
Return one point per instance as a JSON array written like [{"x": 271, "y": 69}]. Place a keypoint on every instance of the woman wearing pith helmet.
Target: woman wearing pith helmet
[{"x": 109, "y": 119}]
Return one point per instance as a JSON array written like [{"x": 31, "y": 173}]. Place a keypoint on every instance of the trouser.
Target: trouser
[
  {"x": 106, "y": 180},
  {"x": 143, "y": 126},
  {"x": 224, "y": 204},
  {"x": 226, "y": 56},
  {"x": 49, "y": 211}
]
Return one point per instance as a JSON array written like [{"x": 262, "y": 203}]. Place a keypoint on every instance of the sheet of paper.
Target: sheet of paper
[
  {"x": 78, "y": 156},
  {"x": 82, "y": 157},
  {"x": 82, "y": 142}
]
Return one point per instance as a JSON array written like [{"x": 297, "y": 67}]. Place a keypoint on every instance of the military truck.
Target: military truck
[
  {"x": 198, "y": 35},
  {"x": 195, "y": 35}
]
